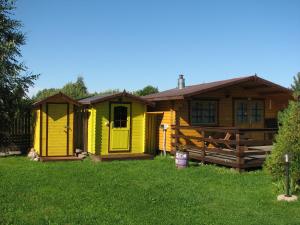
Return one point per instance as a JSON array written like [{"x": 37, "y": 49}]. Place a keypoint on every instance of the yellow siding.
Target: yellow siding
[
  {"x": 98, "y": 131},
  {"x": 168, "y": 118},
  {"x": 71, "y": 130},
  {"x": 102, "y": 128},
  {"x": 138, "y": 127},
  {"x": 91, "y": 131},
  {"x": 36, "y": 138},
  {"x": 44, "y": 116}
]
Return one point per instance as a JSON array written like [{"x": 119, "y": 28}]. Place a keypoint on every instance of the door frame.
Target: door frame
[
  {"x": 130, "y": 122},
  {"x": 68, "y": 124},
  {"x": 251, "y": 99}
]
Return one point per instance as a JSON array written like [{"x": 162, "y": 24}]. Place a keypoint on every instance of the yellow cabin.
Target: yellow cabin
[
  {"x": 54, "y": 126},
  {"x": 116, "y": 125}
]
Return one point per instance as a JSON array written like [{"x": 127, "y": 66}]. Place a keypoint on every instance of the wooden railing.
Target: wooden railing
[{"x": 244, "y": 149}]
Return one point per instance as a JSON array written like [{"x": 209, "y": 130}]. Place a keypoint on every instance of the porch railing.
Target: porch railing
[{"x": 246, "y": 147}]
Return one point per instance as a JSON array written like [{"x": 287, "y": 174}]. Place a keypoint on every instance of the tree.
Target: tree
[
  {"x": 106, "y": 92},
  {"x": 14, "y": 76},
  {"x": 76, "y": 90},
  {"x": 146, "y": 91},
  {"x": 44, "y": 93},
  {"x": 296, "y": 86},
  {"x": 287, "y": 141}
]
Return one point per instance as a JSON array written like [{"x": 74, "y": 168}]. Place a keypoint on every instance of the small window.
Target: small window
[
  {"x": 204, "y": 112},
  {"x": 257, "y": 111},
  {"x": 120, "y": 117}
]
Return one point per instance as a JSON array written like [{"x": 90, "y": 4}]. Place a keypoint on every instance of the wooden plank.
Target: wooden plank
[
  {"x": 210, "y": 140},
  {"x": 209, "y": 150},
  {"x": 136, "y": 156},
  {"x": 59, "y": 158}
]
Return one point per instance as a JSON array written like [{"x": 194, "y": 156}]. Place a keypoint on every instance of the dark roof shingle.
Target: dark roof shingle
[{"x": 176, "y": 93}]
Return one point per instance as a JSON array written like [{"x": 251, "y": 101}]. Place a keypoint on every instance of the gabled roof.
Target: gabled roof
[
  {"x": 102, "y": 98},
  {"x": 192, "y": 90},
  {"x": 58, "y": 95}
]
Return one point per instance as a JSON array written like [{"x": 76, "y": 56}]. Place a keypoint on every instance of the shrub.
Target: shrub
[{"x": 287, "y": 141}]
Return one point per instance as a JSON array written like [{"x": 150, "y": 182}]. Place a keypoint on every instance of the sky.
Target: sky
[{"x": 130, "y": 44}]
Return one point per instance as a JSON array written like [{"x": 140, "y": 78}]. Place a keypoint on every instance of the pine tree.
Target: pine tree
[
  {"x": 14, "y": 76},
  {"x": 296, "y": 86}
]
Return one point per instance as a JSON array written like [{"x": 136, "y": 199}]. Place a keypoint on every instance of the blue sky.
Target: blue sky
[{"x": 130, "y": 44}]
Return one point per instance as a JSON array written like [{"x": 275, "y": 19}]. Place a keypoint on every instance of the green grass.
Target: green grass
[{"x": 136, "y": 192}]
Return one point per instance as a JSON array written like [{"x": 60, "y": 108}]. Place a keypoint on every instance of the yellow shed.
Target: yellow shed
[
  {"x": 54, "y": 126},
  {"x": 116, "y": 126}
]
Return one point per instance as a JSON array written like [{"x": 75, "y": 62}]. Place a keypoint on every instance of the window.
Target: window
[
  {"x": 242, "y": 112},
  {"x": 120, "y": 117},
  {"x": 249, "y": 111},
  {"x": 204, "y": 112},
  {"x": 257, "y": 110}
]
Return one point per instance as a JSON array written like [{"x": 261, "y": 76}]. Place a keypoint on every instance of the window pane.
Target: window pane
[
  {"x": 120, "y": 116},
  {"x": 242, "y": 112},
  {"x": 203, "y": 112},
  {"x": 257, "y": 111}
]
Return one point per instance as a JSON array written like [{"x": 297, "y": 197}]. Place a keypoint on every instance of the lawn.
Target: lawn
[{"x": 136, "y": 192}]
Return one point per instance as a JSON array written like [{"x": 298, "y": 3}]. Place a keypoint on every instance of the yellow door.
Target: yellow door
[
  {"x": 119, "y": 127},
  {"x": 57, "y": 130}
]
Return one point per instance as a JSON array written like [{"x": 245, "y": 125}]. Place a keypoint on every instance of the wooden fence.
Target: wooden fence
[
  {"x": 18, "y": 135},
  {"x": 240, "y": 151}
]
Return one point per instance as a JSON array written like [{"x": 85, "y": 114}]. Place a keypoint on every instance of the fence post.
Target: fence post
[
  {"x": 239, "y": 153},
  {"x": 204, "y": 147}
]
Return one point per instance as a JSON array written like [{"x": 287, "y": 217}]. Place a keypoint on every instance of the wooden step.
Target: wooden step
[
  {"x": 59, "y": 158},
  {"x": 111, "y": 157}
]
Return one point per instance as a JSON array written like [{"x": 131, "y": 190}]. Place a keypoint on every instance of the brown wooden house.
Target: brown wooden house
[{"x": 225, "y": 122}]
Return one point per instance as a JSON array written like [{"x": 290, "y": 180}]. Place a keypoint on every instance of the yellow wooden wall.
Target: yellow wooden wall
[
  {"x": 37, "y": 128},
  {"x": 91, "y": 131},
  {"x": 43, "y": 139},
  {"x": 39, "y": 143},
  {"x": 168, "y": 117},
  {"x": 102, "y": 128},
  {"x": 98, "y": 129},
  {"x": 138, "y": 122}
]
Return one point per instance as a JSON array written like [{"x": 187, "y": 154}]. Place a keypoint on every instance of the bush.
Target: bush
[{"x": 287, "y": 141}]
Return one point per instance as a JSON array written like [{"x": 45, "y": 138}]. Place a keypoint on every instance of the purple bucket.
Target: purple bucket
[{"x": 181, "y": 159}]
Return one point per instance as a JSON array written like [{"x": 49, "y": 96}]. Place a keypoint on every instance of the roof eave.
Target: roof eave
[{"x": 59, "y": 94}]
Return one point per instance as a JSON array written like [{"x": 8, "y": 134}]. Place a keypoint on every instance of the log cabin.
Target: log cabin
[{"x": 230, "y": 122}]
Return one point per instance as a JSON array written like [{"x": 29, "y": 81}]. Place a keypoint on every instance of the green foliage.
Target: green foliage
[
  {"x": 14, "y": 76},
  {"x": 76, "y": 90},
  {"x": 136, "y": 192},
  {"x": 45, "y": 93},
  {"x": 296, "y": 86},
  {"x": 287, "y": 141},
  {"x": 106, "y": 92},
  {"x": 146, "y": 91}
]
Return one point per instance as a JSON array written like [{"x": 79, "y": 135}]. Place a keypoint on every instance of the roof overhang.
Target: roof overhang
[
  {"x": 55, "y": 96},
  {"x": 119, "y": 95},
  {"x": 260, "y": 85}
]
